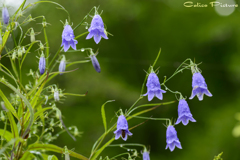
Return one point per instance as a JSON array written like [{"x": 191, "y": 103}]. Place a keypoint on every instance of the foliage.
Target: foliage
[{"x": 30, "y": 114}]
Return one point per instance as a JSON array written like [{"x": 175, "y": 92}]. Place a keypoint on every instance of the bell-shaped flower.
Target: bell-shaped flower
[
  {"x": 199, "y": 87},
  {"x": 146, "y": 154},
  {"x": 5, "y": 15},
  {"x": 184, "y": 114},
  {"x": 62, "y": 65},
  {"x": 96, "y": 29},
  {"x": 172, "y": 139},
  {"x": 122, "y": 128},
  {"x": 42, "y": 64},
  {"x": 154, "y": 87},
  {"x": 68, "y": 38}
]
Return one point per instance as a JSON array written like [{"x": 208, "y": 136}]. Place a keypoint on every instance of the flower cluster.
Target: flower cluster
[
  {"x": 34, "y": 95},
  {"x": 184, "y": 115}
]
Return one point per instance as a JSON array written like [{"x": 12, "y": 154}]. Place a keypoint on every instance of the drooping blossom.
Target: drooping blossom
[
  {"x": 62, "y": 65},
  {"x": 5, "y": 15},
  {"x": 42, "y": 64},
  {"x": 184, "y": 114},
  {"x": 68, "y": 38},
  {"x": 172, "y": 139},
  {"x": 146, "y": 155},
  {"x": 95, "y": 63},
  {"x": 122, "y": 128},
  {"x": 96, "y": 29},
  {"x": 154, "y": 87},
  {"x": 199, "y": 87}
]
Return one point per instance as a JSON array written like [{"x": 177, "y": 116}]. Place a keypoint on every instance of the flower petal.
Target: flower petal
[
  {"x": 104, "y": 35},
  {"x": 66, "y": 46},
  {"x": 150, "y": 95},
  {"x": 118, "y": 133},
  {"x": 90, "y": 35},
  {"x": 159, "y": 94},
  {"x": 97, "y": 38},
  {"x": 73, "y": 44}
]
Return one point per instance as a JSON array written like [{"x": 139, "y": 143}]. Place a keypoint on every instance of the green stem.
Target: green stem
[
  {"x": 129, "y": 111},
  {"x": 157, "y": 119},
  {"x": 127, "y": 144},
  {"x": 47, "y": 45},
  {"x": 149, "y": 105},
  {"x": 81, "y": 35},
  {"x": 84, "y": 18},
  {"x": 177, "y": 70},
  {"x": 94, "y": 155},
  {"x": 59, "y": 50},
  {"x": 154, "y": 63},
  {"x": 119, "y": 155}
]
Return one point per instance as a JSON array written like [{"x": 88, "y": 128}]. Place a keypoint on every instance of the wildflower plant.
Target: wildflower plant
[{"x": 31, "y": 110}]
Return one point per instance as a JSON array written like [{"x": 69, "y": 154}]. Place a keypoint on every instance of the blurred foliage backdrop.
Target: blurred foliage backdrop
[{"x": 140, "y": 28}]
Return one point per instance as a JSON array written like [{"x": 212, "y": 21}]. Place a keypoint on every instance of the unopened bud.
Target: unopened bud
[
  {"x": 5, "y": 15},
  {"x": 32, "y": 36},
  {"x": 42, "y": 64}
]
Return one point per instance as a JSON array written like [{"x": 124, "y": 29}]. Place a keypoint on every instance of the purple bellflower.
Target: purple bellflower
[
  {"x": 146, "y": 154},
  {"x": 42, "y": 64},
  {"x": 153, "y": 87},
  {"x": 62, "y": 65},
  {"x": 172, "y": 139},
  {"x": 122, "y": 128},
  {"x": 184, "y": 114},
  {"x": 68, "y": 38},
  {"x": 5, "y": 15},
  {"x": 96, "y": 29},
  {"x": 199, "y": 87}
]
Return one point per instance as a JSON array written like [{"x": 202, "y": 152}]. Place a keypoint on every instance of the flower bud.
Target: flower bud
[
  {"x": 62, "y": 65},
  {"x": 5, "y": 15},
  {"x": 66, "y": 152},
  {"x": 3, "y": 106},
  {"x": 20, "y": 52},
  {"x": 2, "y": 116},
  {"x": 32, "y": 36},
  {"x": 14, "y": 55},
  {"x": 0, "y": 38},
  {"x": 95, "y": 63},
  {"x": 23, "y": 49},
  {"x": 42, "y": 64},
  {"x": 56, "y": 95}
]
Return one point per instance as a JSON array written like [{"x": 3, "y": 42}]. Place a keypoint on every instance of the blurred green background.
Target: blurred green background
[{"x": 140, "y": 28}]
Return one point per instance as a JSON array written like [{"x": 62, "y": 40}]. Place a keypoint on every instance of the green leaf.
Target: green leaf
[
  {"x": 104, "y": 115},
  {"x": 54, "y": 148},
  {"x": 13, "y": 125},
  {"x": 9, "y": 105},
  {"x": 4, "y": 40},
  {"x": 49, "y": 157},
  {"x": 40, "y": 113},
  {"x": 6, "y": 135},
  {"x": 101, "y": 149},
  {"x": 27, "y": 156},
  {"x": 27, "y": 104}
]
